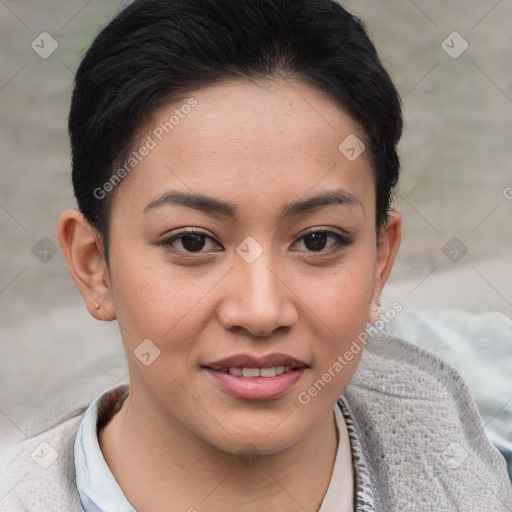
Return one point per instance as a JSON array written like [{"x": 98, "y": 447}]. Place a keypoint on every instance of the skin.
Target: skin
[{"x": 179, "y": 441}]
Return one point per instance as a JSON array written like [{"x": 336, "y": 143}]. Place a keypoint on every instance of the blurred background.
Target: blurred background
[{"x": 451, "y": 61}]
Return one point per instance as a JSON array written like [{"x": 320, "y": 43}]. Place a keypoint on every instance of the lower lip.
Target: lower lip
[{"x": 256, "y": 388}]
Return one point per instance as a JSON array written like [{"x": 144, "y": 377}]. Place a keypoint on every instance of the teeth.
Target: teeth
[
  {"x": 268, "y": 372},
  {"x": 258, "y": 372},
  {"x": 251, "y": 372}
]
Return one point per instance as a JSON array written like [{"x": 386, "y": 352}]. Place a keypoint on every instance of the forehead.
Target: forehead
[{"x": 273, "y": 140}]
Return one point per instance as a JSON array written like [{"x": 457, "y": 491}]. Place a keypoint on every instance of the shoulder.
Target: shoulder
[
  {"x": 401, "y": 368},
  {"x": 38, "y": 474},
  {"x": 421, "y": 432}
]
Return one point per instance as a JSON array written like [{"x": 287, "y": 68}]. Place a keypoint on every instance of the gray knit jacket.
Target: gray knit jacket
[{"x": 419, "y": 428}]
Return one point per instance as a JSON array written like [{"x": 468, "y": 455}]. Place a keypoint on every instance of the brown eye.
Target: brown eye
[
  {"x": 193, "y": 243},
  {"x": 317, "y": 240},
  {"x": 190, "y": 242}
]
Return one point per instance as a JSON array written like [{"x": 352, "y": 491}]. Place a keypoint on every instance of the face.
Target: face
[{"x": 243, "y": 246}]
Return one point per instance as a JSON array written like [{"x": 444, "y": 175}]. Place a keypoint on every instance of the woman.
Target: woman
[{"x": 233, "y": 163}]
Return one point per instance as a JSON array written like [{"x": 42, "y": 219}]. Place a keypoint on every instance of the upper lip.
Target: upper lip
[{"x": 247, "y": 361}]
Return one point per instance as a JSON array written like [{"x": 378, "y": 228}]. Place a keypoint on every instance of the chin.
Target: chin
[{"x": 270, "y": 440}]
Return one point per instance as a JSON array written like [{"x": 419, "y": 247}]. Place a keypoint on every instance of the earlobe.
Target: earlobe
[
  {"x": 374, "y": 310},
  {"x": 389, "y": 243},
  {"x": 82, "y": 247}
]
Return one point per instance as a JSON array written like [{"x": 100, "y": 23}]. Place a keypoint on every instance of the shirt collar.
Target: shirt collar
[
  {"x": 363, "y": 497},
  {"x": 97, "y": 487}
]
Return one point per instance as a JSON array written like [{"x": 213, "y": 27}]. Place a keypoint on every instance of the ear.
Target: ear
[
  {"x": 82, "y": 246},
  {"x": 388, "y": 244}
]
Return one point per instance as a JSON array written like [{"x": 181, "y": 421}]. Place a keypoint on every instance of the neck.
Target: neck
[{"x": 161, "y": 465}]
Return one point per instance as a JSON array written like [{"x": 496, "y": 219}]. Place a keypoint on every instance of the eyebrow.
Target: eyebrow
[{"x": 212, "y": 205}]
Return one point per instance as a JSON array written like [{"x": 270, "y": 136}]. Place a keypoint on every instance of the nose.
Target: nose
[{"x": 257, "y": 298}]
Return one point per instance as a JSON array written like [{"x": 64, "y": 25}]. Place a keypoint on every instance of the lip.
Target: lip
[
  {"x": 248, "y": 361},
  {"x": 256, "y": 388}
]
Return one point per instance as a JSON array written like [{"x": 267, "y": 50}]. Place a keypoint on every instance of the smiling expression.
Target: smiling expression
[{"x": 244, "y": 247}]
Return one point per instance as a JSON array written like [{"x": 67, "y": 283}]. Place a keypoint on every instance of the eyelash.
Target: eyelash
[{"x": 342, "y": 241}]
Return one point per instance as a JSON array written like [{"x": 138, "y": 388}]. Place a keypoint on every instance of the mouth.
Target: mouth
[
  {"x": 254, "y": 378},
  {"x": 272, "y": 371}
]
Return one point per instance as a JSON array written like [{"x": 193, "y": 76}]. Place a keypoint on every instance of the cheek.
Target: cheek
[
  {"x": 153, "y": 298},
  {"x": 340, "y": 302},
  {"x": 344, "y": 293}
]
